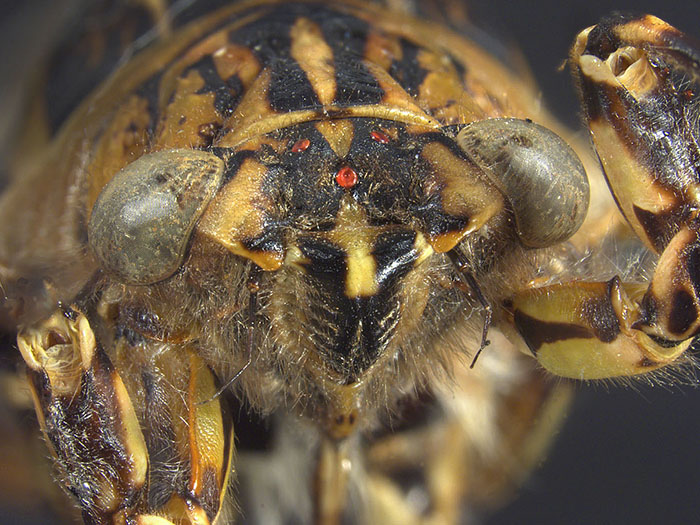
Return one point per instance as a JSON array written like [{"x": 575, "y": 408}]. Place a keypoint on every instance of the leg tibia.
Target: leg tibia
[
  {"x": 593, "y": 330},
  {"x": 86, "y": 415},
  {"x": 670, "y": 308},
  {"x": 587, "y": 330},
  {"x": 135, "y": 433}
]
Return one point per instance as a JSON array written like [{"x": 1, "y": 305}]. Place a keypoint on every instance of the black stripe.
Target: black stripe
[
  {"x": 227, "y": 93},
  {"x": 150, "y": 91},
  {"x": 347, "y": 37},
  {"x": 408, "y": 71},
  {"x": 356, "y": 86},
  {"x": 537, "y": 333},
  {"x": 290, "y": 89},
  {"x": 269, "y": 39},
  {"x": 235, "y": 162}
]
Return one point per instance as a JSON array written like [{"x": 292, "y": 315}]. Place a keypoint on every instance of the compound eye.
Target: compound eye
[
  {"x": 537, "y": 171},
  {"x": 143, "y": 218}
]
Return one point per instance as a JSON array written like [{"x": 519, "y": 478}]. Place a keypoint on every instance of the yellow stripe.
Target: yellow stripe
[
  {"x": 362, "y": 270},
  {"x": 356, "y": 238},
  {"x": 315, "y": 57}
]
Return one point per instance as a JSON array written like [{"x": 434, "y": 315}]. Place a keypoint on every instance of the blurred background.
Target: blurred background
[{"x": 625, "y": 455}]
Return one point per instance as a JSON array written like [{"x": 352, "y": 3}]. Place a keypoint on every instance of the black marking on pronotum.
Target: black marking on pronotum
[
  {"x": 227, "y": 93},
  {"x": 268, "y": 37},
  {"x": 344, "y": 33},
  {"x": 235, "y": 162},
  {"x": 537, "y": 333},
  {"x": 290, "y": 89},
  {"x": 355, "y": 83},
  {"x": 407, "y": 71},
  {"x": 150, "y": 91},
  {"x": 347, "y": 37}
]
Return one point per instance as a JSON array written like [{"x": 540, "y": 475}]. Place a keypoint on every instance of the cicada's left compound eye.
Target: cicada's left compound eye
[
  {"x": 537, "y": 171},
  {"x": 143, "y": 219}
]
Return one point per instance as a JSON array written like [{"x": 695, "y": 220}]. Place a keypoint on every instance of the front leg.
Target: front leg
[
  {"x": 134, "y": 434},
  {"x": 639, "y": 81}
]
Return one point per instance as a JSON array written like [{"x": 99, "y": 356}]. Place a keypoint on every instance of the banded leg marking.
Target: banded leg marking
[
  {"x": 638, "y": 80},
  {"x": 131, "y": 436},
  {"x": 587, "y": 330}
]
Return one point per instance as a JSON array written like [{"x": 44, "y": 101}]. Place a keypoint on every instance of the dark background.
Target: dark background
[{"x": 625, "y": 455}]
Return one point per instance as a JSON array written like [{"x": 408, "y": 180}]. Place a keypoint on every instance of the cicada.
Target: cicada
[{"x": 319, "y": 262}]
